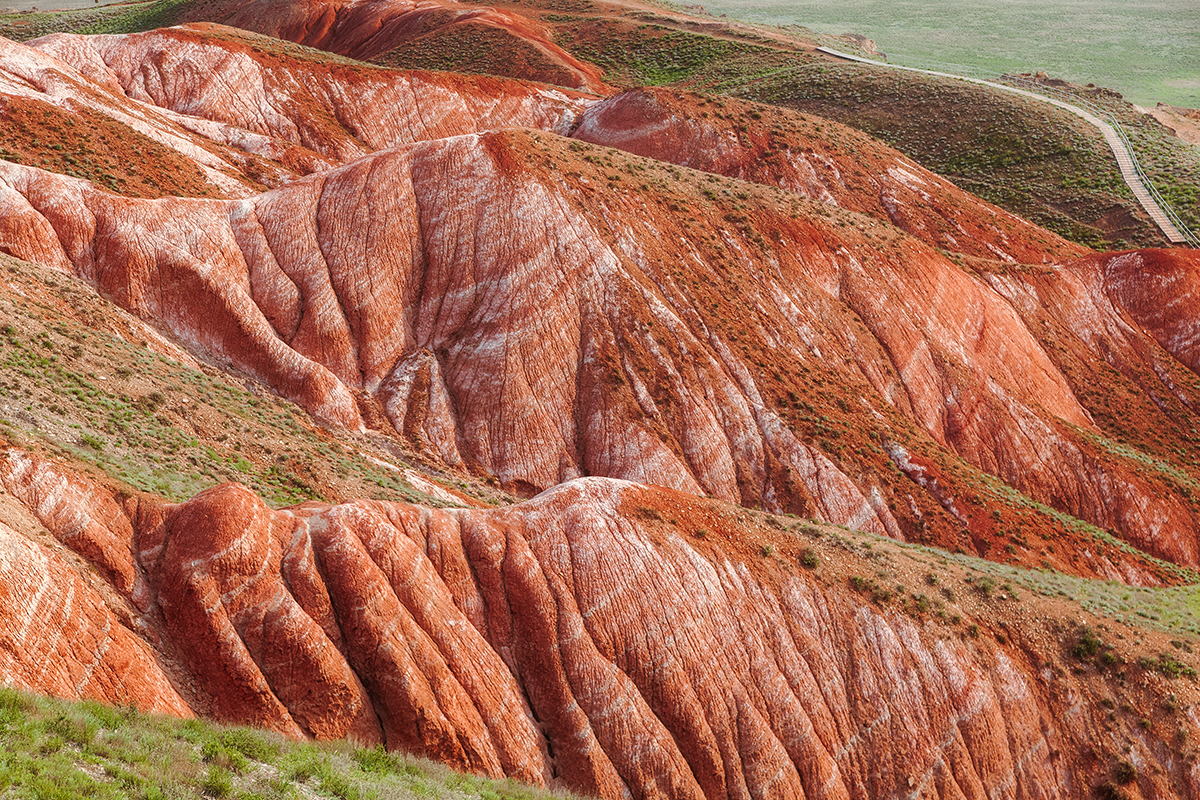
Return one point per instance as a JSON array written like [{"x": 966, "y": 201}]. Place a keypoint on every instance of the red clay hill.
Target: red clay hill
[
  {"x": 653, "y": 311},
  {"x": 617, "y": 639}
]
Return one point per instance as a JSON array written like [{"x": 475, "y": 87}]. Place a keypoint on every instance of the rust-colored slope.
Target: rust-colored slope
[
  {"x": 581, "y": 639},
  {"x": 369, "y": 30},
  {"x": 818, "y": 159},
  {"x": 1117, "y": 325},
  {"x": 59, "y": 633},
  {"x": 1160, "y": 290},
  {"x": 85, "y": 143},
  {"x": 306, "y": 113},
  {"x": 511, "y": 306}
]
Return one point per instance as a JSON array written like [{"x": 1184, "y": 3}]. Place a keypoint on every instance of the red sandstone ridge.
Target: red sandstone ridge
[
  {"x": 59, "y": 635},
  {"x": 540, "y": 309},
  {"x": 242, "y": 111},
  {"x": 299, "y": 115},
  {"x": 589, "y": 639}
]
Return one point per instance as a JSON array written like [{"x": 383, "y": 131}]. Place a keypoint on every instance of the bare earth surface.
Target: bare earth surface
[{"x": 1183, "y": 122}]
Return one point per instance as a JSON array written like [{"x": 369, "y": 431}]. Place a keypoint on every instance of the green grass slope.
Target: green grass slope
[{"x": 52, "y": 749}]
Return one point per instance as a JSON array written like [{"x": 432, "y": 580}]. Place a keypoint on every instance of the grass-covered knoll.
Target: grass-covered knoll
[
  {"x": 82, "y": 379},
  {"x": 141, "y": 17},
  {"x": 51, "y": 749},
  {"x": 646, "y": 54},
  {"x": 474, "y": 47},
  {"x": 1028, "y": 157},
  {"x": 1172, "y": 165}
]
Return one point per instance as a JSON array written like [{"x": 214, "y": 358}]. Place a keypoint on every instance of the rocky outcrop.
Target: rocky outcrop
[
  {"x": 1160, "y": 291},
  {"x": 588, "y": 638},
  {"x": 60, "y": 631},
  {"x": 207, "y": 110}
]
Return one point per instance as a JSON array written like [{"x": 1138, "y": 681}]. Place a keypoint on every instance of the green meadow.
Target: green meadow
[{"x": 1149, "y": 50}]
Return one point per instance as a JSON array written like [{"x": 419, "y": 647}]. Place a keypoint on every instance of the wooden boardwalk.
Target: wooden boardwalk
[{"x": 1125, "y": 160}]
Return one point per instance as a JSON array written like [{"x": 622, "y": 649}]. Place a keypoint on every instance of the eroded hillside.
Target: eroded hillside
[
  {"x": 624, "y": 317},
  {"x": 610, "y": 637},
  {"x": 700, "y": 334}
]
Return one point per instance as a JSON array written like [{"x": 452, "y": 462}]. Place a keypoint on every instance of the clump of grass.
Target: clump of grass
[
  {"x": 1088, "y": 644},
  {"x": 1110, "y": 791},
  {"x": 217, "y": 783},
  {"x": 1168, "y": 665},
  {"x": 649, "y": 514},
  {"x": 869, "y": 586}
]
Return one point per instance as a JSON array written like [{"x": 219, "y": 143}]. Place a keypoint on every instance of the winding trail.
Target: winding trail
[{"x": 1125, "y": 160}]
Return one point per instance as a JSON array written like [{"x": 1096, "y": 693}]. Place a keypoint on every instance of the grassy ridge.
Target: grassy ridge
[
  {"x": 53, "y": 749},
  {"x": 1029, "y": 158}
]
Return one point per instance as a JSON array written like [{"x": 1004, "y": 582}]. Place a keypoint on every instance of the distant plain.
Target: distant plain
[{"x": 1149, "y": 50}]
